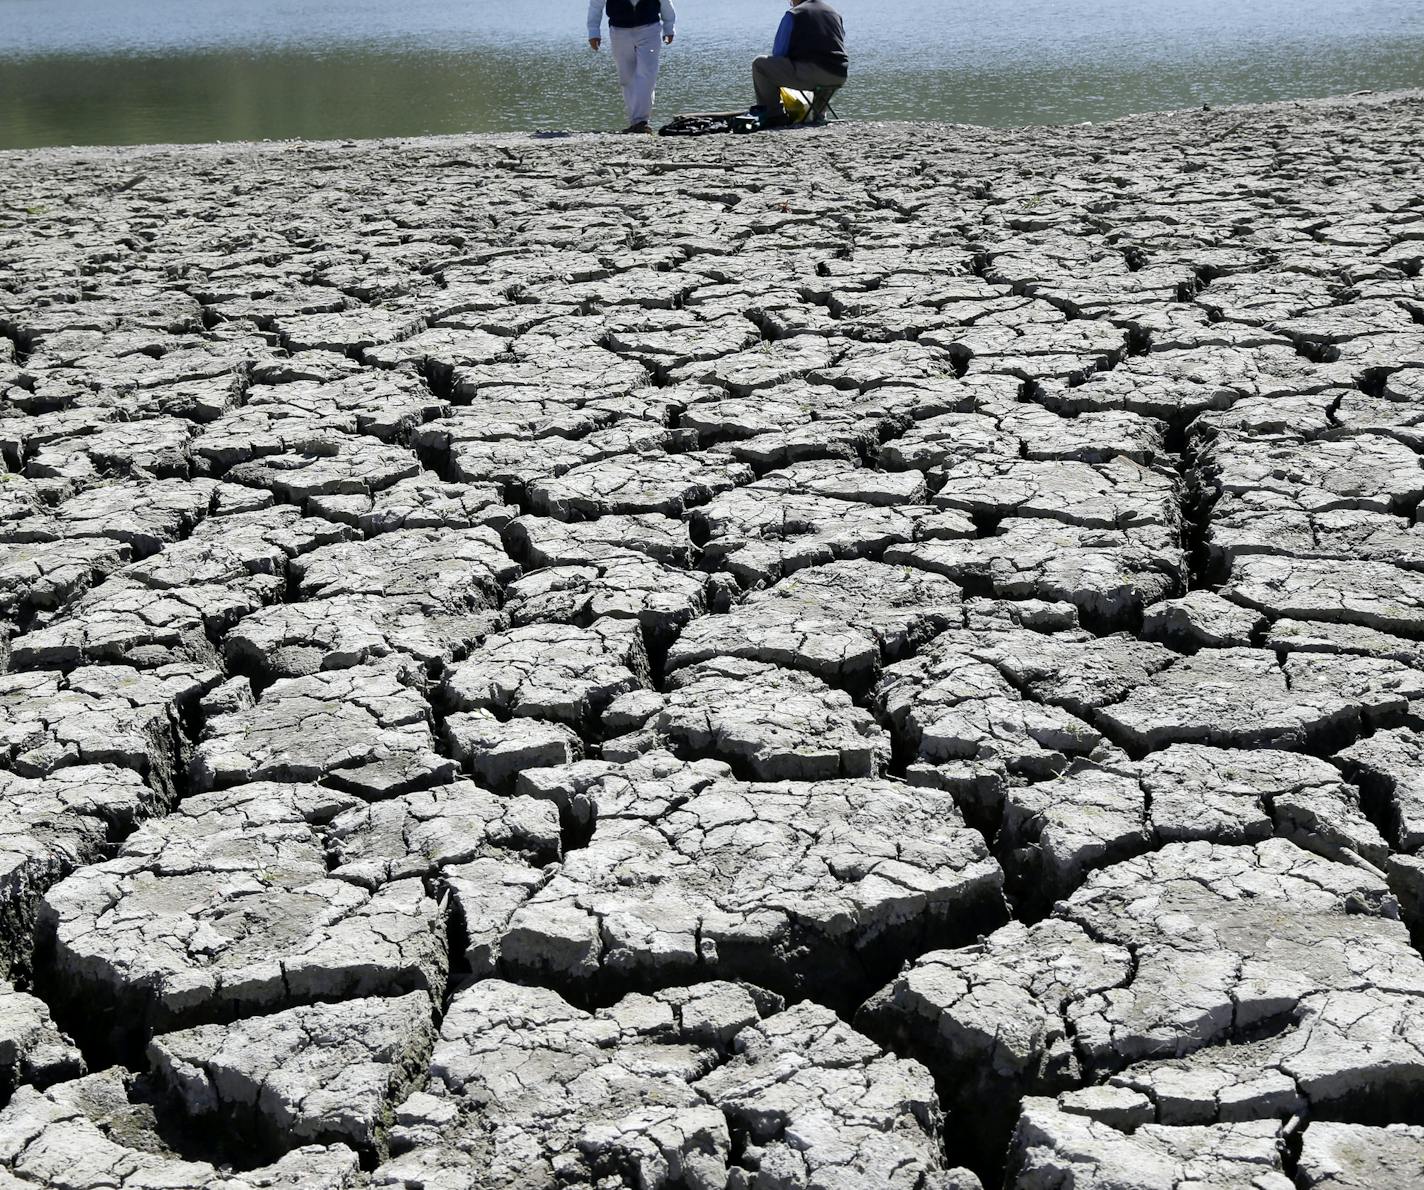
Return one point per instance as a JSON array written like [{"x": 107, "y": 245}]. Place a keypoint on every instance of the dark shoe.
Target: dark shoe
[{"x": 641, "y": 127}]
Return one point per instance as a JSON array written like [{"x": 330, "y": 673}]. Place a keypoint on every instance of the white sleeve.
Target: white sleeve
[
  {"x": 669, "y": 18},
  {"x": 595, "y": 18}
]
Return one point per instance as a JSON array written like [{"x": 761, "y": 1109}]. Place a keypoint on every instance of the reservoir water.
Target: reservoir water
[{"x": 139, "y": 71}]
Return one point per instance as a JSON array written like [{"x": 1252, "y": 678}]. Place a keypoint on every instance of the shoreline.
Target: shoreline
[{"x": 550, "y": 137}]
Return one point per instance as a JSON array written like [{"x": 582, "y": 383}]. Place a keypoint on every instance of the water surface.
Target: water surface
[{"x": 137, "y": 71}]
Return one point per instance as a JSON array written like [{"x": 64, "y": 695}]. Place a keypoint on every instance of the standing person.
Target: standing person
[
  {"x": 634, "y": 27},
  {"x": 809, "y": 52}
]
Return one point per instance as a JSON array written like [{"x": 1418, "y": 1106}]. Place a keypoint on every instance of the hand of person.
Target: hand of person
[
  {"x": 594, "y": 43},
  {"x": 667, "y": 38}
]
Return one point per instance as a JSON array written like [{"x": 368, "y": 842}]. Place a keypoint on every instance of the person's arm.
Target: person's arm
[
  {"x": 669, "y": 21},
  {"x": 595, "y": 22},
  {"x": 781, "y": 47}
]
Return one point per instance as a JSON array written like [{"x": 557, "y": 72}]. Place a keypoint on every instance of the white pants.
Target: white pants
[{"x": 636, "y": 51}]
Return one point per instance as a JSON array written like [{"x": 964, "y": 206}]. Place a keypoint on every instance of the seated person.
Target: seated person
[{"x": 809, "y": 53}]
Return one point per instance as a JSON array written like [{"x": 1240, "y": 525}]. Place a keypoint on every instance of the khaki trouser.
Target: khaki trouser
[{"x": 769, "y": 75}]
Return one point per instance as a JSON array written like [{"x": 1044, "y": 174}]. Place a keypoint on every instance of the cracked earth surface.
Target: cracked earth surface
[{"x": 884, "y": 657}]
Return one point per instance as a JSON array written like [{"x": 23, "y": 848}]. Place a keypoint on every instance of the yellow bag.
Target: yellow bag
[{"x": 797, "y": 104}]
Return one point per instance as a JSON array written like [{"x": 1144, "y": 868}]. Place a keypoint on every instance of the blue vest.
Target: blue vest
[{"x": 634, "y": 14}]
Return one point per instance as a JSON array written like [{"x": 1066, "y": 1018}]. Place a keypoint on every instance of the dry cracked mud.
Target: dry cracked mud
[{"x": 880, "y": 657}]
